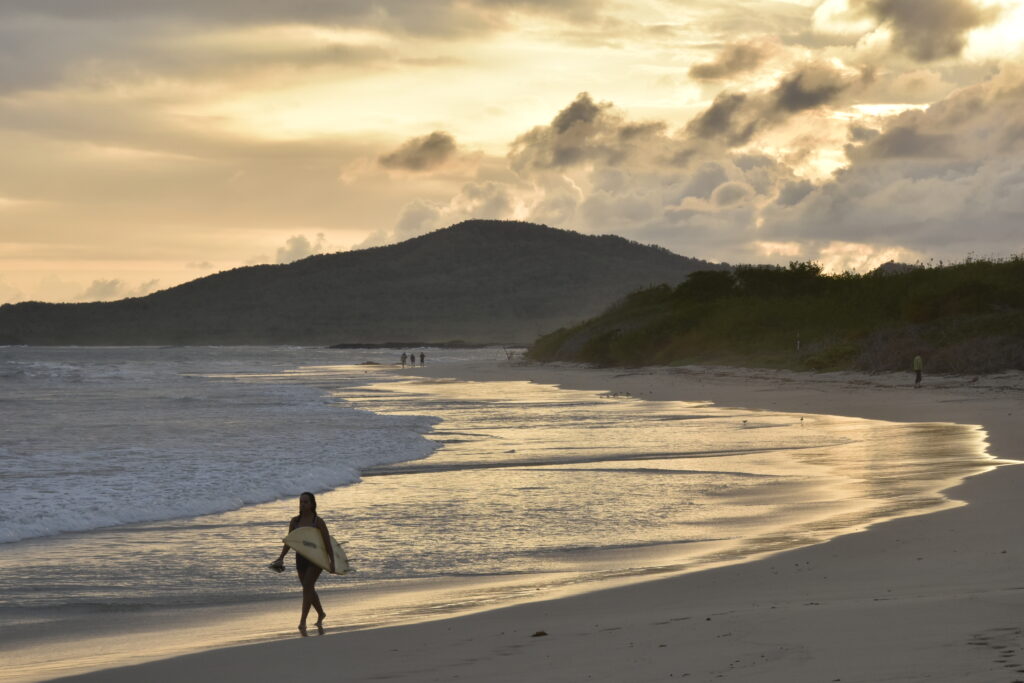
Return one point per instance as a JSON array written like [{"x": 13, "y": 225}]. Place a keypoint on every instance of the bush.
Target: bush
[{"x": 964, "y": 318}]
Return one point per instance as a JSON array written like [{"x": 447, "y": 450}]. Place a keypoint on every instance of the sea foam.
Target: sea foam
[{"x": 101, "y": 437}]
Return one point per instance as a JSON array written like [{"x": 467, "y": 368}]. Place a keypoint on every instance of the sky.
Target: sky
[{"x": 146, "y": 143}]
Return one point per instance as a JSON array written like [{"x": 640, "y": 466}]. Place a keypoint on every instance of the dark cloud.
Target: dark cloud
[
  {"x": 591, "y": 132},
  {"x": 730, "y": 118},
  {"x": 421, "y": 154},
  {"x": 730, "y": 193},
  {"x": 583, "y": 110},
  {"x": 859, "y": 133},
  {"x": 904, "y": 142},
  {"x": 635, "y": 131},
  {"x": 584, "y": 130},
  {"x": 927, "y": 30},
  {"x": 734, "y": 118},
  {"x": 809, "y": 88},
  {"x": 793, "y": 192},
  {"x": 734, "y": 59}
]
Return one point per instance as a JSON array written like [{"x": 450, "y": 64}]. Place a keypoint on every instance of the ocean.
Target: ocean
[{"x": 144, "y": 490}]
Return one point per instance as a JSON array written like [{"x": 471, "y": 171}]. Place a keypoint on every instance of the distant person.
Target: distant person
[
  {"x": 423, "y": 358},
  {"x": 404, "y": 356},
  {"x": 918, "y": 367},
  {"x": 308, "y": 572}
]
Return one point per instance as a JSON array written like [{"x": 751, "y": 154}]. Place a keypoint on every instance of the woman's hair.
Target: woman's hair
[{"x": 312, "y": 499}]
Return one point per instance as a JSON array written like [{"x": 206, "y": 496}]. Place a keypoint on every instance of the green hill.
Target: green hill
[
  {"x": 966, "y": 318},
  {"x": 477, "y": 281}
]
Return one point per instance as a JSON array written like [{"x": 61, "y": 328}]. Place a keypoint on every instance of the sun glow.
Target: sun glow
[
  {"x": 841, "y": 257},
  {"x": 884, "y": 110},
  {"x": 835, "y": 17},
  {"x": 1004, "y": 39},
  {"x": 289, "y": 37},
  {"x": 780, "y": 250}
]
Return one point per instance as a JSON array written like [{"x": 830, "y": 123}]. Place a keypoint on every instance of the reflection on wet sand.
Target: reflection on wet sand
[{"x": 537, "y": 492}]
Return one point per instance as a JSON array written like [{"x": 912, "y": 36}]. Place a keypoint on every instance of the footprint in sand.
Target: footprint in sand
[{"x": 1004, "y": 642}]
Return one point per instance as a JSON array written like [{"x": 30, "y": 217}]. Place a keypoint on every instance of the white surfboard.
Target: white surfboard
[{"x": 309, "y": 542}]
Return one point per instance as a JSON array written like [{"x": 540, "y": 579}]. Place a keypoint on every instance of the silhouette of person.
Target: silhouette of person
[
  {"x": 308, "y": 572},
  {"x": 918, "y": 367},
  {"x": 422, "y": 358},
  {"x": 404, "y": 356}
]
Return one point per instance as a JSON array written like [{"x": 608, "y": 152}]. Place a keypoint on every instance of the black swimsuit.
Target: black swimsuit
[{"x": 301, "y": 563}]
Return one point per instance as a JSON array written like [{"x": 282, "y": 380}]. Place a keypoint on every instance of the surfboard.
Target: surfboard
[{"x": 309, "y": 542}]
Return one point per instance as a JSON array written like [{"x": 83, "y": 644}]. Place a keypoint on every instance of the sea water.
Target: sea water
[{"x": 142, "y": 487}]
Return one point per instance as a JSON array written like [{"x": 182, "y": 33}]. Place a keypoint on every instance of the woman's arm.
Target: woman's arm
[
  {"x": 322, "y": 525},
  {"x": 285, "y": 548}
]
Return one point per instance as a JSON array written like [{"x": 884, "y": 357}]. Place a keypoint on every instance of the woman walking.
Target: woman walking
[{"x": 308, "y": 572}]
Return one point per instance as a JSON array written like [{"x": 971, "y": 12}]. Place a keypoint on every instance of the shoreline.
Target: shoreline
[{"x": 928, "y": 593}]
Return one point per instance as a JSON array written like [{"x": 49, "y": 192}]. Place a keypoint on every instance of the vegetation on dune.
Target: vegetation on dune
[{"x": 963, "y": 318}]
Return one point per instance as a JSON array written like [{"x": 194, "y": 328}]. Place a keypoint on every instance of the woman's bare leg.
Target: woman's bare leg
[{"x": 310, "y": 597}]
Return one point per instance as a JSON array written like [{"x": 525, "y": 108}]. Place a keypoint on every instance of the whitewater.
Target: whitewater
[{"x": 97, "y": 437}]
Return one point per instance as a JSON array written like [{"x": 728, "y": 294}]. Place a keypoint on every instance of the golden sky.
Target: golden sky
[{"x": 146, "y": 143}]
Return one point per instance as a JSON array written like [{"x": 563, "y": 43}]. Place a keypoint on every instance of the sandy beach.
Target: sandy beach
[{"x": 937, "y": 597}]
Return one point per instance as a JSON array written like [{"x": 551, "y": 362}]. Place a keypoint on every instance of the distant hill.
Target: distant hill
[
  {"x": 964, "y": 318},
  {"x": 477, "y": 281}
]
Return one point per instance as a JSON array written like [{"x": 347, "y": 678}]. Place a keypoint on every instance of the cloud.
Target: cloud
[
  {"x": 794, "y": 192},
  {"x": 732, "y": 118},
  {"x": 576, "y": 134},
  {"x": 905, "y": 142},
  {"x": 728, "y": 194},
  {"x": 421, "y": 154},
  {"x": 423, "y": 17},
  {"x": 595, "y": 170},
  {"x": 109, "y": 290},
  {"x": 928, "y": 30},
  {"x": 734, "y": 59},
  {"x": 486, "y": 200},
  {"x": 812, "y": 86},
  {"x": 584, "y": 132},
  {"x": 949, "y": 180},
  {"x": 911, "y": 184},
  {"x": 299, "y": 247},
  {"x": 727, "y": 126},
  {"x": 46, "y": 42},
  {"x": 735, "y": 117},
  {"x": 917, "y": 86}
]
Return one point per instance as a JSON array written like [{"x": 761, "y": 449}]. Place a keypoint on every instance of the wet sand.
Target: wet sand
[{"x": 936, "y": 597}]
